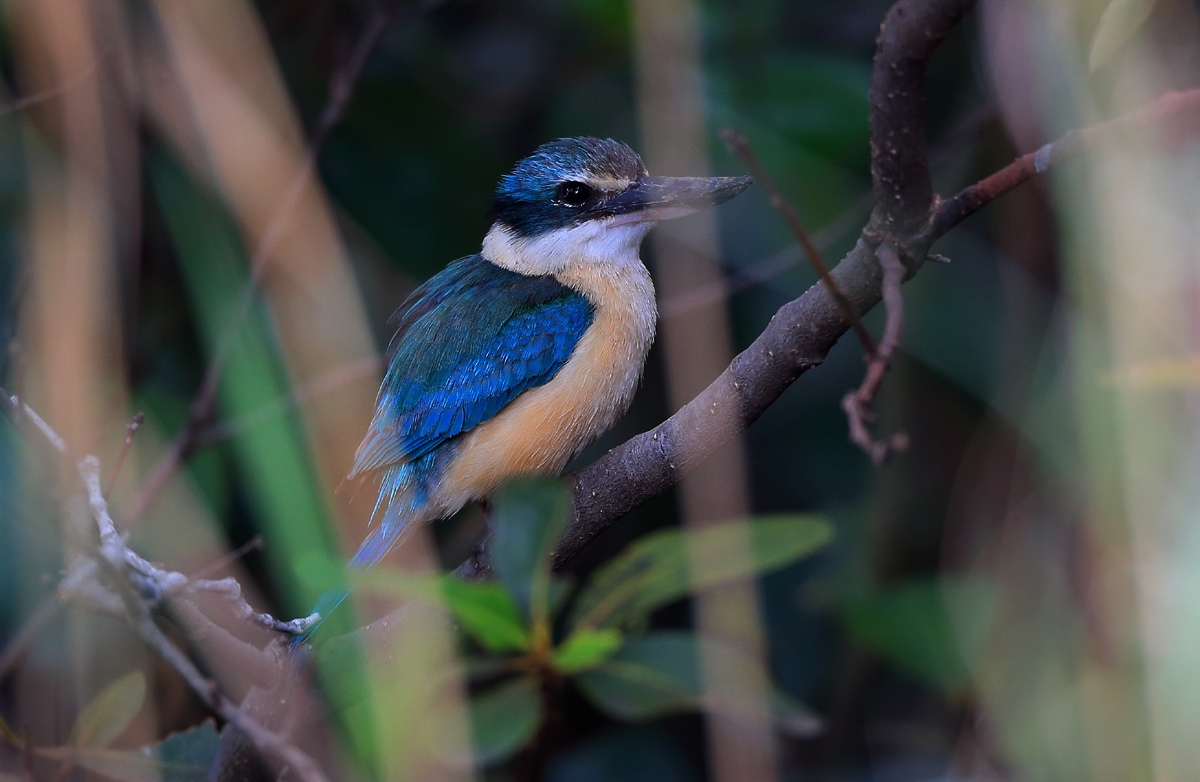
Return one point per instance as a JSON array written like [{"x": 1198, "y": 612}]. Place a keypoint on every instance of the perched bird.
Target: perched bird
[{"x": 511, "y": 361}]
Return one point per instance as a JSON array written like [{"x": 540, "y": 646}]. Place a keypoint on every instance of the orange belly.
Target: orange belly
[{"x": 545, "y": 427}]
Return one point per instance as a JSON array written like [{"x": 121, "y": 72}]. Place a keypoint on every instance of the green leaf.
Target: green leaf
[
  {"x": 585, "y": 649},
  {"x": 505, "y": 718},
  {"x": 658, "y": 569},
  {"x": 527, "y": 519},
  {"x": 660, "y": 674},
  {"x": 108, "y": 715},
  {"x": 1119, "y": 22},
  {"x": 908, "y": 626},
  {"x": 488, "y": 613},
  {"x": 182, "y": 757}
]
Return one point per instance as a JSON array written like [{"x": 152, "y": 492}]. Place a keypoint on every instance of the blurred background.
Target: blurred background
[{"x": 1016, "y": 597}]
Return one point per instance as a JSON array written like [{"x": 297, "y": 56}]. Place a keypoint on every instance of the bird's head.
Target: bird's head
[{"x": 588, "y": 200}]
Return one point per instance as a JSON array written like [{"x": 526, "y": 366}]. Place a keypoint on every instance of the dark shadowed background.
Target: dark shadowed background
[{"x": 991, "y": 606}]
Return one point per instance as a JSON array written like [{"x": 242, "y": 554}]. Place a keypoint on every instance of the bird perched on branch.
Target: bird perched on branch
[{"x": 511, "y": 361}]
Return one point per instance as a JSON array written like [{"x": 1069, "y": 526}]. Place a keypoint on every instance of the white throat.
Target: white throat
[{"x": 553, "y": 252}]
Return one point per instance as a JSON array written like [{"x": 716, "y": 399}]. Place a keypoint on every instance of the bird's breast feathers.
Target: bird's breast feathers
[{"x": 545, "y": 427}]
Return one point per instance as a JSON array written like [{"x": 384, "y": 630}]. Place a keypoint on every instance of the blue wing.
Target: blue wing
[{"x": 470, "y": 341}]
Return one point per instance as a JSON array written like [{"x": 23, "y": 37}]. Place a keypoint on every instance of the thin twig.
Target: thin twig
[
  {"x": 739, "y": 146},
  {"x": 760, "y": 272},
  {"x": 1171, "y": 106},
  {"x": 857, "y": 403},
  {"x": 220, "y": 563},
  {"x": 20, "y": 104},
  {"x": 151, "y": 584},
  {"x": 148, "y": 585},
  {"x": 314, "y": 389},
  {"x": 131, "y": 429},
  {"x": 772, "y": 266},
  {"x": 21, "y": 411},
  {"x": 155, "y": 584}
]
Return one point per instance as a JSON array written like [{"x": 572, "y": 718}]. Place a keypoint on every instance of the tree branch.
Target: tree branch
[
  {"x": 803, "y": 331},
  {"x": 910, "y": 32},
  {"x": 1181, "y": 108}
]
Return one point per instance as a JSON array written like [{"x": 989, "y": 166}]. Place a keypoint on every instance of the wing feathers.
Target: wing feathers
[{"x": 468, "y": 344}]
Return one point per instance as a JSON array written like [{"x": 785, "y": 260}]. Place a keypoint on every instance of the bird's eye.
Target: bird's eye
[{"x": 572, "y": 193}]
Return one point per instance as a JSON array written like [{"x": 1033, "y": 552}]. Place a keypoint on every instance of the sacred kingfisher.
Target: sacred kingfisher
[{"x": 509, "y": 362}]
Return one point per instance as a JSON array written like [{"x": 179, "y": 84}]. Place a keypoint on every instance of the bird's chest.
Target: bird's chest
[{"x": 541, "y": 430}]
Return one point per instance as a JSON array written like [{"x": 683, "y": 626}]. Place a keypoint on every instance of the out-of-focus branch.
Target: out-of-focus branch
[
  {"x": 314, "y": 389},
  {"x": 1181, "y": 109},
  {"x": 857, "y": 403},
  {"x": 156, "y": 584},
  {"x": 22, "y": 103},
  {"x": 18, "y": 411}
]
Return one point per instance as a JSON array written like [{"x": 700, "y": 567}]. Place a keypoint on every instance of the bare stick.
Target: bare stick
[
  {"x": 157, "y": 584},
  {"x": 254, "y": 544},
  {"x": 131, "y": 429},
  {"x": 20, "y": 104},
  {"x": 146, "y": 585},
  {"x": 152, "y": 584},
  {"x": 1179, "y": 108},
  {"x": 314, "y": 389},
  {"x": 739, "y": 146},
  {"x": 23, "y": 412},
  {"x": 857, "y": 403}
]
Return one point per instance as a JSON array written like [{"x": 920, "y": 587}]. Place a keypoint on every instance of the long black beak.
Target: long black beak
[{"x": 654, "y": 198}]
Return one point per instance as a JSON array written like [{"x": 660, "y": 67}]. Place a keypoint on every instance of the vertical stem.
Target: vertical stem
[{"x": 697, "y": 347}]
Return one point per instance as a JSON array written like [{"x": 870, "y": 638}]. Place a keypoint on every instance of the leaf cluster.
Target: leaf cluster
[{"x": 533, "y": 634}]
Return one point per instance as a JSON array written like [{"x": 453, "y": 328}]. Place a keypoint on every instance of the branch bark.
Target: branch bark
[
  {"x": 907, "y": 215},
  {"x": 804, "y": 330}
]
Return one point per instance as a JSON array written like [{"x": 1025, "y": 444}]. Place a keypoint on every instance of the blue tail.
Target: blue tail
[{"x": 396, "y": 525}]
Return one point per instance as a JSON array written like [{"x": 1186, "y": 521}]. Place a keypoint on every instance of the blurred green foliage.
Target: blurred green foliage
[{"x": 600, "y": 646}]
